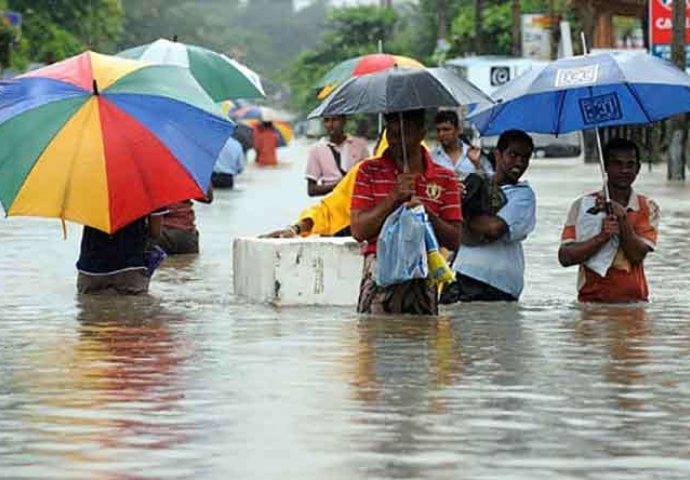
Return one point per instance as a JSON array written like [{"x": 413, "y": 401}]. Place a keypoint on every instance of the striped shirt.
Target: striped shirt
[{"x": 436, "y": 187}]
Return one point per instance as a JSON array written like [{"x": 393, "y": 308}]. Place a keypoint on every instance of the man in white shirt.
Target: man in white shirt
[
  {"x": 455, "y": 154},
  {"x": 331, "y": 158}
]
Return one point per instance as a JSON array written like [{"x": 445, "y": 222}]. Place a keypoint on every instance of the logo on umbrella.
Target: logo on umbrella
[
  {"x": 569, "y": 77},
  {"x": 601, "y": 109}
]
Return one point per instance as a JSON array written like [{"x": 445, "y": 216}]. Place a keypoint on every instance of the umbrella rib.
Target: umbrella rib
[
  {"x": 639, "y": 102},
  {"x": 559, "y": 112}
]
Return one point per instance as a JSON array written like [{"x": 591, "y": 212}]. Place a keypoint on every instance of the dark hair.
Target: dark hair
[
  {"x": 510, "y": 136},
  {"x": 449, "y": 116},
  {"x": 618, "y": 144},
  {"x": 415, "y": 116}
]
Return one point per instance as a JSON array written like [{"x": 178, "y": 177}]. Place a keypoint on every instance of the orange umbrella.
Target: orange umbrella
[{"x": 362, "y": 65}]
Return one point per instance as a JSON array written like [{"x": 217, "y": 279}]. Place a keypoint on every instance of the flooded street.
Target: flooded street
[{"x": 192, "y": 382}]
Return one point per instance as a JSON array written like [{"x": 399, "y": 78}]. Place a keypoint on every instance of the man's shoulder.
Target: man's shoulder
[
  {"x": 320, "y": 144},
  {"x": 354, "y": 139},
  {"x": 649, "y": 206},
  {"x": 442, "y": 172},
  {"x": 521, "y": 189}
]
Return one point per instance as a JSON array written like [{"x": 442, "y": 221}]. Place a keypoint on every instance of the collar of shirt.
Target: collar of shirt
[
  {"x": 348, "y": 139},
  {"x": 441, "y": 157},
  {"x": 633, "y": 202},
  {"x": 430, "y": 167}
]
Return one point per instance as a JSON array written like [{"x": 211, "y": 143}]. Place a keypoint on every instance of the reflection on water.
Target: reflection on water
[{"x": 191, "y": 382}]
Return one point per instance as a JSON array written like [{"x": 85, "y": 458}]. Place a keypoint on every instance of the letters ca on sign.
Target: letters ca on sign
[{"x": 568, "y": 77}]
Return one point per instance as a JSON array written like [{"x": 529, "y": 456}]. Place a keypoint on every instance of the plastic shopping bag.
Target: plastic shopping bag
[
  {"x": 401, "y": 250},
  {"x": 439, "y": 271}
]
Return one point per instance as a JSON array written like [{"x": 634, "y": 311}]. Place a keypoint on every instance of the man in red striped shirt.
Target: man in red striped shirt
[{"x": 382, "y": 185}]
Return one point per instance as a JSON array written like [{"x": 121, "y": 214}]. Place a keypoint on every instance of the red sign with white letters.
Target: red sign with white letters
[{"x": 661, "y": 22}]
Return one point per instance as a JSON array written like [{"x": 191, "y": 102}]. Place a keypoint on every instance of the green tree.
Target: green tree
[
  {"x": 351, "y": 32},
  {"x": 57, "y": 29},
  {"x": 497, "y": 24}
]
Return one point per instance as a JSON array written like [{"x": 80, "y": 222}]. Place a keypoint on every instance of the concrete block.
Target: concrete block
[{"x": 303, "y": 271}]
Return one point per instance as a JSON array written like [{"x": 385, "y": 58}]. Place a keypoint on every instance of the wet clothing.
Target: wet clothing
[
  {"x": 501, "y": 263},
  {"x": 329, "y": 162},
  {"x": 437, "y": 188},
  {"x": 265, "y": 144},
  {"x": 623, "y": 281},
  {"x": 414, "y": 297},
  {"x": 468, "y": 289},
  {"x": 222, "y": 180},
  {"x": 119, "y": 263},
  {"x": 178, "y": 230},
  {"x": 332, "y": 213},
  {"x": 463, "y": 165},
  {"x": 102, "y": 253},
  {"x": 127, "y": 282},
  {"x": 230, "y": 158},
  {"x": 175, "y": 241}
]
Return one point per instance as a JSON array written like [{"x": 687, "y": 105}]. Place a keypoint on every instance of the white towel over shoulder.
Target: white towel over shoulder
[{"x": 588, "y": 225}]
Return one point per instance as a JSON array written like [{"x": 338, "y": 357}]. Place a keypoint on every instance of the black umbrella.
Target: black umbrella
[{"x": 400, "y": 89}]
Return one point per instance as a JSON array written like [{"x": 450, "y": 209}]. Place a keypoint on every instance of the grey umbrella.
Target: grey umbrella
[{"x": 400, "y": 89}]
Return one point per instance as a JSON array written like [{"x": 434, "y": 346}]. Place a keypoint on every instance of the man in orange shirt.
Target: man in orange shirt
[
  {"x": 610, "y": 248},
  {"x": 265, "y": 144}
]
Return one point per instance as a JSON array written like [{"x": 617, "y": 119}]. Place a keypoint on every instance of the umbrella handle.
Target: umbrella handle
[
  {"x": 604, "y": 175},
  {"x": 406, "y": 164}
]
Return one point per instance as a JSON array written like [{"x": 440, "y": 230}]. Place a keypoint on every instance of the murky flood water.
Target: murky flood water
[{"x": 192, "y": 382}]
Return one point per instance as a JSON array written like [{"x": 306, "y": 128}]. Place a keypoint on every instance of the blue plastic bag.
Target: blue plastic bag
[{"x": 401, "y": 248}]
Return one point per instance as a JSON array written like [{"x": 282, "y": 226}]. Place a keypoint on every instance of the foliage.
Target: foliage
[
  {"x": 242, "y": 30},
  {"x": 6, "y": 40},
  {"x": 352, "y": 32},
  {"x": 57, "y": 29}
]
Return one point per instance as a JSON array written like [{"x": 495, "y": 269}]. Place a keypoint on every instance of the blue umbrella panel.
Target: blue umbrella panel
[{"x": 579, "y": 93}]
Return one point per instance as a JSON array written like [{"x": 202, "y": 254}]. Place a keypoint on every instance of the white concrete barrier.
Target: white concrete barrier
[{"x": 304, "y": 271}]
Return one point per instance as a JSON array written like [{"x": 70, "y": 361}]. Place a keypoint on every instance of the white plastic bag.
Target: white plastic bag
[{"x": 401, "y": 249}]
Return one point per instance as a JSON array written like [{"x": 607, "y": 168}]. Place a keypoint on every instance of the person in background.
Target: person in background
[
  {"x": 493, "y": 268},
  {"x": 453, "y": 153},
  {"x": 265, "y": 140},
  {"x": 230, "y": 163},
  {"x": 120, "y": 263},
  {"x": 381, "y": 186},
  {"x": 333, "y": 156},
  {"x": 614, "y": 244},
  {"x": 179, "y": 234}
]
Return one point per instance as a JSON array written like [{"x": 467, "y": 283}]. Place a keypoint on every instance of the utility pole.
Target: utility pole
[
  {"x": 478, "y": 27},
  {"x": 679, "y": 124},
  {"x": 517, "y": 20},
  {"x": 442, "y": 9},
  {"x": 553, "y": 26}
]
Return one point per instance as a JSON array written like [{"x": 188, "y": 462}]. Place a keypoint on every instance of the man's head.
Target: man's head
[
  {"x": 447, "y": 128},
  {"x": 413, "y": 121},
  {"x": 335, "y": 125},
  {"x": 622, "y": 162},
  {"x": 512, "y": 153}
]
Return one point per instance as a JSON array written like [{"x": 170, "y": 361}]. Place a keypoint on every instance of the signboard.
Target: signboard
[
  {"x": 536, "y": 36},
  {"x": 14, "y": 20},
  {"x": 661, "y": 27}
]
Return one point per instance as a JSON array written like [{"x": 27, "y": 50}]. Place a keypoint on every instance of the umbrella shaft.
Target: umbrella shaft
[
  {"x": 406, "y": 164},
  {"x": 604, "y": 175}
]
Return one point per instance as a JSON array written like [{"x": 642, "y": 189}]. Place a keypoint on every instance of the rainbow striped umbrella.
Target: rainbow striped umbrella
[
  {"x": 220, "y": 76},
  {"x": 102, "y": 140},
  {"x": 354, "y": 67}
]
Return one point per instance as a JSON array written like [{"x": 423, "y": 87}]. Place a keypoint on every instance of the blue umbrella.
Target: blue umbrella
[{"x": 590, "y": 91}]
